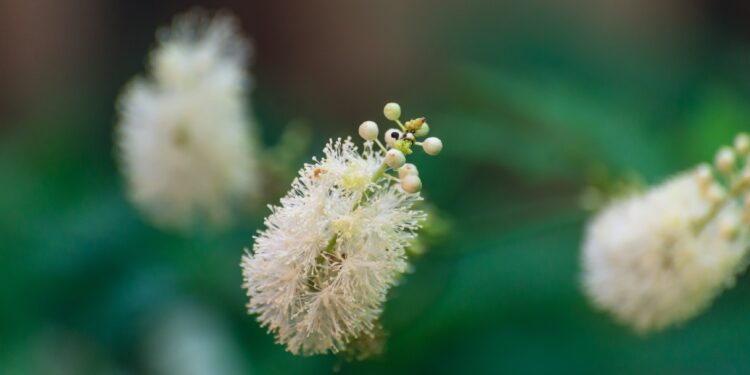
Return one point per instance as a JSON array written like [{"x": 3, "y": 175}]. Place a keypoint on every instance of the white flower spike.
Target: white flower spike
[
  {"x": 411, "y": 183},
  {"x": 657, "y": 259},
  {"x": 704, "y": 176},
  {"x": 319, "y": 274},
  {"x": 423, "y": 131},
  {"x": 185, "y": 142}
]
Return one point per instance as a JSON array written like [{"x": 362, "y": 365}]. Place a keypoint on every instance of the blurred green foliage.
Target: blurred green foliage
[{"x": 86, "y": 286}]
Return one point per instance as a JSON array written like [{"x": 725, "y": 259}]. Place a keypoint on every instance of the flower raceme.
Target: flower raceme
[
  {"x": 185, "y": 141},
  {"x": 318, "y": 275},
  {"x": 659, "y": 258}
]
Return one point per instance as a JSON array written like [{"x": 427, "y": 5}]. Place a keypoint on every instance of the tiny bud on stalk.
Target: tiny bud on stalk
[
  {"x": 368, "y": 130},
  {"x": 432, "y": 146},
  {"x": 407, "y": 170},
  {"x": 395, "y": 158},
  {"x": 742, "y": 144},
  {"x": 703, "y": 176},
  {"x": 411, "y": 183},
  {"x": 725, "y": 160},
  {"x": 392, "y": 111}
]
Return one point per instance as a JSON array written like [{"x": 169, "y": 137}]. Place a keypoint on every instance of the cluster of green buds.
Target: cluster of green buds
[
  {"x": 727, "y": 180},
  {"x": 399, "y": 143}
]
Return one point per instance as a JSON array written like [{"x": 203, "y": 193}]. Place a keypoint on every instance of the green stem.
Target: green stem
[
  {"x": 379, "y": 173},
  {"x": 382, "y": 148},
  {"x": 320, "y": 259},
  {"x": 403, "y": 128},
  {"x": 331, "y": 244}
]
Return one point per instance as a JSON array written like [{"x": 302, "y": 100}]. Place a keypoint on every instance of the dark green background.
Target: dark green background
[{"x": 534, "y": 102}]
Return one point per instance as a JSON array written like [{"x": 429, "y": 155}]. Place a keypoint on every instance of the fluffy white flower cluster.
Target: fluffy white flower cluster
[
  {"x": 319, "y": 273},
  {"x": 186, "y": 145},
  {"x": 659, "y": 258},
  {"x": 644, "y": 262}
]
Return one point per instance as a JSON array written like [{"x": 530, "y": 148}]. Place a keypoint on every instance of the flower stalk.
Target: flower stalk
[{"x": 320, "y": 272}]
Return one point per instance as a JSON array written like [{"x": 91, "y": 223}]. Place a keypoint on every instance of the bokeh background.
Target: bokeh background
[{"x": 536, "y": 102}]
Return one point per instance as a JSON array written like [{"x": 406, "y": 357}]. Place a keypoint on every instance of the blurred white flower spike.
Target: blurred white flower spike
[
  {"x": 186, "y": 144},
  {"x": 319, "y": 273},
  {"x": 657, "y": 259}
]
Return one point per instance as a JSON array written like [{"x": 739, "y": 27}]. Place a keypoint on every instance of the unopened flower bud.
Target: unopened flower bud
[
  {"x": 423, "y": 131},
  {"x": 742, "y": 144},
  {"x": 392, "y": 111},
  {"x": 411, "y": 183},
  {"x": 395, "y": 158},
  {"x": 704, "y": 176},
  {"x": 368, "y": 130},
  {"x": 725, "y": 160},
  {"x": 432, "y": 146},
  {"x": 408, "y": 169}
]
